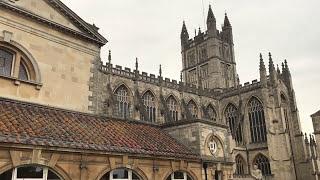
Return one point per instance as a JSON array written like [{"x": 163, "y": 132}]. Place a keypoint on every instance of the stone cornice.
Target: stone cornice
[{"x": 92, "y": 35}]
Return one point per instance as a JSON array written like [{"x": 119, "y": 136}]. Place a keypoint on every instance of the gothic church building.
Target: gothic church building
[{"x": 66, "y": 115}]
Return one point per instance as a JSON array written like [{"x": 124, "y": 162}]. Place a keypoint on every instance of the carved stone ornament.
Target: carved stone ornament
[{"x": 213, "y": 146}]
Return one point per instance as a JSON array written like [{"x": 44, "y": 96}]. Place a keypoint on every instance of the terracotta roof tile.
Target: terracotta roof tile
[{"x": 31, "y": 124}]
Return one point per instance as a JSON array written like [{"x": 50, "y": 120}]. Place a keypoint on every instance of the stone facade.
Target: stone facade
[{"x": 232, "y": 127}]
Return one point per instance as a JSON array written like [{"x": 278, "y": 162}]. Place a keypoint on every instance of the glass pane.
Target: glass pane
[
  {"x": 30, "y": 172},
  {"x": 178, "y": 175},
  {"x": 6, "y": 59},
  {"x": 135, "y": 177},
  {"x": 23, "y": 75},
  {"x": 106, "y": 176},
  {"x": 52, "y": 176},
  {"x": 6, "y": 176},
  {"x": 120, "y": 174}
]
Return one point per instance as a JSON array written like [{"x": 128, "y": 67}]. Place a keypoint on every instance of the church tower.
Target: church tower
[{"x": 208, "y": 59}]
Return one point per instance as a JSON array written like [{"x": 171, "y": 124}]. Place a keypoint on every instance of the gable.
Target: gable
[
  {"x": 43, "y": 9},
  {"x": 54, "y": 13}
]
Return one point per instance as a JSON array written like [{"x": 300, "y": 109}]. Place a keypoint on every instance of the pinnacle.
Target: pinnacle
[
  {"x": 226, "y": 21},
  {"x": 210, "y": 15},
  {"x": 262, "y": 66}
]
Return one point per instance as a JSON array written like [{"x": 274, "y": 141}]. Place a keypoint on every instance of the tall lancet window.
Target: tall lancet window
[
  {"x": 211, "y": 113},
  {"x": 193, "y": 109},
  {"x": 240, "y": 164},
  {"x": 123, "y": 102},
  {"x": 258, "y": 128},
  {"x": 231, "y": 115},
  {"x": 173, "y": 108},
  {"x": 150, "y": 106}
]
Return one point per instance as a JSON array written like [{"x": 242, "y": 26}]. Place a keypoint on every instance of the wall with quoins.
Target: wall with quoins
[{"x": 64, "y": 60}]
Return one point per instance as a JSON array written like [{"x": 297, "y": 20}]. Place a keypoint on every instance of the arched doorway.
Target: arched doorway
[{"x": 31, "y": 172}]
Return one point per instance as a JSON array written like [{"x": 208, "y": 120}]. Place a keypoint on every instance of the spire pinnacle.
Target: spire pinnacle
[
  {"x": 199, "y": 31},
  {"x": 226, "y": 21},
  {"x": 262, "y": 66},
  {"x": 137, "y": 65},
  {"x": 271, "y": 65},
  {"x": 160, "y": 71},
  {"x": 109, "y": 57},
  {"x": 278, "y": 69},
  {"x": 210, "y": 15},
  {"x": 184, "y": 31}
]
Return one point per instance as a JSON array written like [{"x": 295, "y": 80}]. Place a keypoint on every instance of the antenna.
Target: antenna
[{"x": 203, "y": 14}]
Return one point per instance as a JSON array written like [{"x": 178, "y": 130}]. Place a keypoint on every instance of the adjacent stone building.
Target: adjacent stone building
[{"x": 64, "y": 114}]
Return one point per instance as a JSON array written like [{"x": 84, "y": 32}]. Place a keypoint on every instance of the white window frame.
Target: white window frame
[
  {"x": 129, "y": 174},
  {"x": 45, "y": 172},
  {"x": 184, "y": 176}
]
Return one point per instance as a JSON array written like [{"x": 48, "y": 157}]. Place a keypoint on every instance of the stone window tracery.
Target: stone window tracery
[
  {"x": 150, "y": 106},
  {"x": 191, "y": 58},
  {"x": 193, "y": 109},
  {"x": 173, "y": 108},
  {"x": 122, "y": 109},
  {"x": 258, "y": 129},
  {"x": 231, "y": 115},
  {"x": 263, "y": 164},
  {"x": 211, "y": 113},
  {"x": 240, "y": 164}
]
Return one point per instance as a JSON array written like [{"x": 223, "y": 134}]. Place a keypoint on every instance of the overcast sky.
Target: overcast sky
[{"x": 150, "y": 30}]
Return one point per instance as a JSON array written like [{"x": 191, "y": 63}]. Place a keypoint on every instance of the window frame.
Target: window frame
[
  {"x": 45, "y": 172},
  {"x": 173, "y": 108},
  {"x": 21, "y": 56},
  {"x": 123, "y": 102}
]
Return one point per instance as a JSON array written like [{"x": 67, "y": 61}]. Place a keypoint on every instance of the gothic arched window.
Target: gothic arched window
[
  {"x": 150, "y": 105},
  {"x": 231, "y": 115},
  {"x": 240, "y": 164},
  {"x": 121, "y": 174},
  {"x": 173, "y": 108},
  {"x": 193, "y": 109},
  {"x": 123, "y": 102},
  {"x": 257, "y": 121},
  {"x": 211, "y": 113},
  {"x": 263, "y": 164}
]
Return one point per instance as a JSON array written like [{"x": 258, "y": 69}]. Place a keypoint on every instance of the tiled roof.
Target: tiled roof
[
  {"x": 31, "y": 124},
  {"x": 316, "y": 114}
]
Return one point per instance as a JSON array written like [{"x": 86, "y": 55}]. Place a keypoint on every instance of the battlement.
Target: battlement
[{"x": 136, "y": 75}]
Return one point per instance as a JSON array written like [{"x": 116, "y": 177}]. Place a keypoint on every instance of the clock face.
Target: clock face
[{"x": 213, "y": 146}]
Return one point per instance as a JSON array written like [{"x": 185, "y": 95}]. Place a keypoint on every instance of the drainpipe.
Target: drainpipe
[{"x": 205, "y": 166}]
